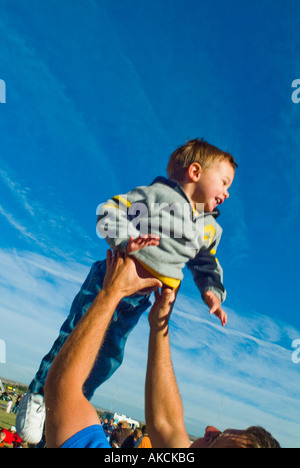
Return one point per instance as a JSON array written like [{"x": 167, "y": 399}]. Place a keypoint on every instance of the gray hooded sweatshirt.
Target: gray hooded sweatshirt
[{"x": 187, "y": 236}]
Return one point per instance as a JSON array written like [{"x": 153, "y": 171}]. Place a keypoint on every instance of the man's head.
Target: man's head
[
  {"x": 253, "y": 437},
  {"x": 137, "y": 433},
  {"x": 119, "y": 435},
  {"x": 204, "y": 171},
  {"x": 144, "y": 430}
]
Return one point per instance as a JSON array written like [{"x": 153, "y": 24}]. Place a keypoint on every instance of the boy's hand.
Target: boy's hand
[
  {"x": 214, "y": 305},
  {"x": 141, "y": 242}
]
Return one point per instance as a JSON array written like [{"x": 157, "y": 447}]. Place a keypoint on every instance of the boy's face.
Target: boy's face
[{"x": 212, "y": 187}]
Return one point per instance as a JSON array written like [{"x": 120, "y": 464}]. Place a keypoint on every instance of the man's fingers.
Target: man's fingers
[
  {"x": 168, "y": 296},
  {"x": 152, "y": 283}
]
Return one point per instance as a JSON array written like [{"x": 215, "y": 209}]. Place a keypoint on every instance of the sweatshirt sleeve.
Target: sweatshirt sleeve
[
  {"x": 117, "y": 219},
  {"x": 208, "y": 273}
]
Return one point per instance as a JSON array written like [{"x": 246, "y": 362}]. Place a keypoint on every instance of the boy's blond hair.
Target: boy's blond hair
[{"x": 196, "y": 150}]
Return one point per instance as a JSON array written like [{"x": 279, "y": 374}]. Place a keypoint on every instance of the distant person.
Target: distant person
[
  {"x": 17, "y": 441},
  {"x": 163, "y": 405},
  {"x": 105, "y": 426},
  {"x": 9, "y": 437},
  {"x": 131, "y": 440},
  {"x": 124, "y": 424},
  {"x": 176, "y": 227},
  {"x": 16, "y": 405},
  {"x": 119, "y": 434},
  {"x": 145, "y": 442},
  {"x": 9, "y": 406},
  {"x": 2, "y": 438},
  {"x": 139, "y": 440},
  {"x": 108, "y": 427},
  {"x": 111, "y": 427}
]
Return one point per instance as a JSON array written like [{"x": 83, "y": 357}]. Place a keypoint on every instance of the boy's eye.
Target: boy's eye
[{"x": 226, "y": 182}]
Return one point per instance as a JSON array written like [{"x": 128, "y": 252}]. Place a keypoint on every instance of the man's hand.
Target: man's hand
[
  {"x": 141, "y": 242},
  {"x": 214, "y": 305},
  {"x": 122, "y": 278}
]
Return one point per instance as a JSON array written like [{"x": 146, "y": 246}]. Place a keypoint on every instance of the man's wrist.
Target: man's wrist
[
  {"x": 159, "y": 322},
  {"x": 110, "y": 294}
]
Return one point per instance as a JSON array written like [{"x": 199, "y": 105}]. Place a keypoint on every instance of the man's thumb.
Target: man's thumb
[{"x": 153, "y": 283}]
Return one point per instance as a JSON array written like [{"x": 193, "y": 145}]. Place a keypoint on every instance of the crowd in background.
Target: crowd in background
[
  {"x": 9, "y": 437},
  {"x": 121, "y": 435}
]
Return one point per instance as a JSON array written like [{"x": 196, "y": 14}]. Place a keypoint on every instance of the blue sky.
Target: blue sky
[{"x": 98, "y": 95}]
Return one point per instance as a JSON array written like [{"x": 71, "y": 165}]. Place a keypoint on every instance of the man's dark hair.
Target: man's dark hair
[{"x": 260, "y": 438}]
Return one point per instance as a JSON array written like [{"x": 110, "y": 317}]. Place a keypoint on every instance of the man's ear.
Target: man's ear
[{"x": 194, "y": 171}]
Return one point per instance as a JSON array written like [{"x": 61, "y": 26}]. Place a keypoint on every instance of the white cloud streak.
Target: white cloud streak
[
  {"x": 19, "y": 227},
  {"x": 19, "y": 192}
]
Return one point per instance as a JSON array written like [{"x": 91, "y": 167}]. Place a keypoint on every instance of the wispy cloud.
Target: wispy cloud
[
  {"x": 17, "y": 190},
  {"x": 19, "y": 227}
]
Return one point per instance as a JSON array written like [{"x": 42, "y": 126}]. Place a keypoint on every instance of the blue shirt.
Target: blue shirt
[{"x": 90, "y": 437}]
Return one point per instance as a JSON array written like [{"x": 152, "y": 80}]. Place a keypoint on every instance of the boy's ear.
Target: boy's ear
[{"x": 194, "y": 171}]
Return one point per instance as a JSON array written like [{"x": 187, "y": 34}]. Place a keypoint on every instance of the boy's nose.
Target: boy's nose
[{"x": 226, "y": 194}]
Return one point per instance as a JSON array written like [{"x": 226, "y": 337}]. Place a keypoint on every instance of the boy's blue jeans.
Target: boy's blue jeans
[{"x": 110, "y": 357}]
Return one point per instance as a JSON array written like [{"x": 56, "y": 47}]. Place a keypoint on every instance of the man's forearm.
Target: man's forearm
[
  {"x": 163, "y": 405},
  {"x": 75, "y": 360}
]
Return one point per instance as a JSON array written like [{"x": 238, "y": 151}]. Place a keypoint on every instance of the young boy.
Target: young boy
[{"x": 163, "y": 226}]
